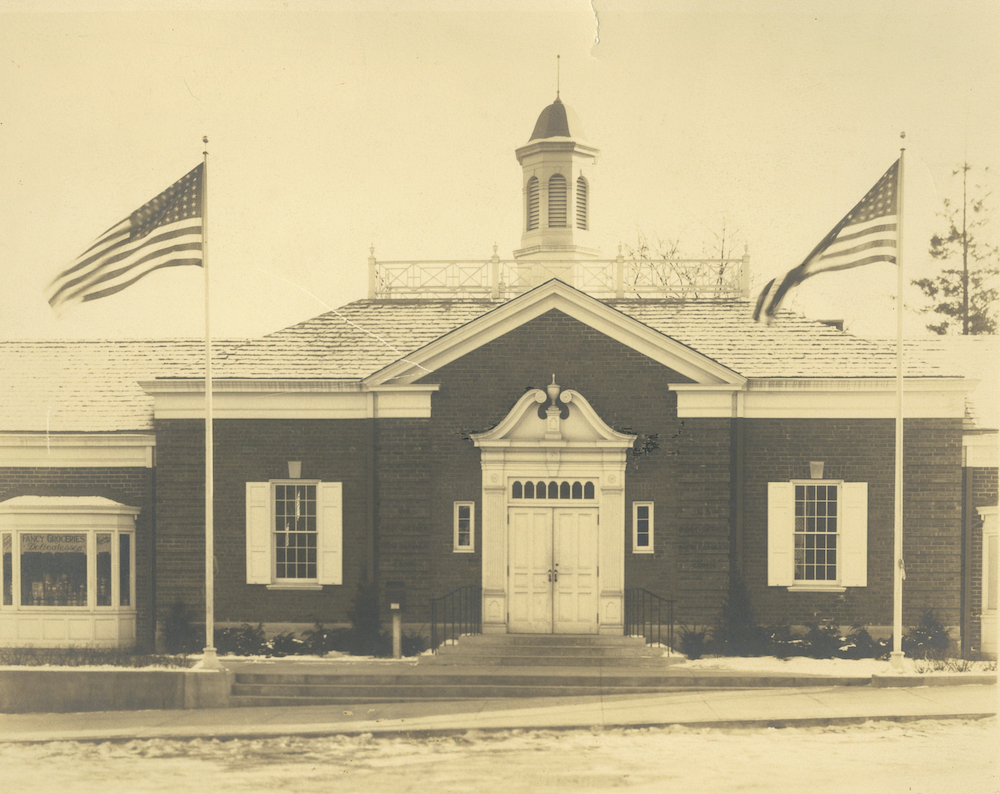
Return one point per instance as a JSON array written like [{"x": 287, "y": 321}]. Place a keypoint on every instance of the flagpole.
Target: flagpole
[
  {"x": 896, "y": 656},
  {"x": 209, "y": 658}
]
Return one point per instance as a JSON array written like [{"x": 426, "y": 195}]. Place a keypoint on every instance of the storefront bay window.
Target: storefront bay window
[{"x": 68, "y": 574}]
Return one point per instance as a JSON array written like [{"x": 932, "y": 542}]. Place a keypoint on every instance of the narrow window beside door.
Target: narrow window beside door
[
  {"x": 642, "y": 527},
  {"x": 465, "y": 526}
]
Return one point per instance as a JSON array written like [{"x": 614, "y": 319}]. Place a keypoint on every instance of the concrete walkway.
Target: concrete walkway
[{"x": 802, "y": 706}]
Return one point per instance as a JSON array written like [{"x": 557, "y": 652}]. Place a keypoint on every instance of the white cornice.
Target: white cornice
[
  {"x": 76, "y": 450},
  {"x": 289, "y": 399},
  {"x": 824, "y": 398},
  {"x": 980, "y": 450},
  {"x": 556, "y": 295}
]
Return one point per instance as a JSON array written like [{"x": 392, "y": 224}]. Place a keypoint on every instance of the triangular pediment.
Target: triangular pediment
[{"x": 556, "y": 295}]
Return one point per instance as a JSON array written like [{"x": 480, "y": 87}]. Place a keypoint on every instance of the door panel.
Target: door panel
[
  {"x": 530, "y": 558},
  {"x": 575, "y": 555}
]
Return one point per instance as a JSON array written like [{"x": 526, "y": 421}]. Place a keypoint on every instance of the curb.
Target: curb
[
  {"x": 395, "y": 731},
  {"x": 937, "y": 679}
]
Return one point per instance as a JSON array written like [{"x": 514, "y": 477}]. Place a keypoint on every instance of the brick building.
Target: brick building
[{"x": 557, "y": 430}]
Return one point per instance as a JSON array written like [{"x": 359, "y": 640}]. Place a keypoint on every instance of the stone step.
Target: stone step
[
  {"x": 419, "y": 691},
  {"x": 584, "y": 640},
  {"x": 607, "y": 651},
  {"x": 487, "y": 659}
]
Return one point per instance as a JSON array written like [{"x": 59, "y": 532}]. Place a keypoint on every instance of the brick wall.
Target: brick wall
[
  {"x": 779, "y": 450},
  {"x": 983, "y": 487},
  {"x": 426, "y": 465},
  {"x": 126, "y": 485},
  {"x": 254, "y": 450}
]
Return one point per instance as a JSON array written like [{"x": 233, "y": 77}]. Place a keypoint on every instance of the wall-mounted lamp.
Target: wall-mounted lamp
[
  {"x": 815, "y": 469},
  {"x": 295, "y": 469}
]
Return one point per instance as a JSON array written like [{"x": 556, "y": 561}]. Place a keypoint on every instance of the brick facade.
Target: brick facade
[
  {"x": 255, "y": 450},
  {"x": 132, "y": 486},
  {"x": 853, "y": 450},
  {"x": 981, "y": 486}
]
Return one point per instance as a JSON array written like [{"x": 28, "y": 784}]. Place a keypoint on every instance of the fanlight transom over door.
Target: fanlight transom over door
[{"x": 553, "y": 557}]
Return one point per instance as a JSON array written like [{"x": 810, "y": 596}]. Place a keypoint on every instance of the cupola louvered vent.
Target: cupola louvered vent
[
  {"x": 581, "y": 203},
  {"x": 557, "y": 201},
  {"x": 533, "y": 201}
]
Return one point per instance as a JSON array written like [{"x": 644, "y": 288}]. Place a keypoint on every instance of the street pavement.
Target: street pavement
[{"x": 704, "y": 708}]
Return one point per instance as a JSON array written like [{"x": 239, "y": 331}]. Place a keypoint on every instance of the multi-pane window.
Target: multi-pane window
[
  {"x": 552, "y": 489},
  {"x": 465, "y": 526},
  {"x": 642, "y": 527},
  {"x": 295, "y": 531},
  {"x": 88, "y": 564},
  {"x": 816, "y": 525}
]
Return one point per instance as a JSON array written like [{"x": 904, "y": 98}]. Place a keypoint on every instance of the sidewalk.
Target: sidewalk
[{"x": 802, "y": 706}]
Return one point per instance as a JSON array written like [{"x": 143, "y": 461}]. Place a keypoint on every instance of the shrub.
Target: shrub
[
  {"x": 822, "y": 642},
  {"x": 179, "y": 635},
  {"x": 737, "y": 634},
  {"x": 413, "y": 644},
  {"x": 246, "y": 640},
  {"x": 927, "y": 640},
  {"x": 320, "y": 640},
  {"x": 694, "y": 641},
  {"x": 367, "y": 638},
  {"x": 286, "y": 645}
]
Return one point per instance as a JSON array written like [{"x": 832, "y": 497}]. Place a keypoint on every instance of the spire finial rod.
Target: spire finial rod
[{"x": 557, "y": 76}]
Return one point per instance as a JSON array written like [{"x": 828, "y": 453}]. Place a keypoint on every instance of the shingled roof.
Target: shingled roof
[
  {"x": 362, "y": 337},
  {"x": 89, "y": 386},
  {"x": 93, "y": 386}
]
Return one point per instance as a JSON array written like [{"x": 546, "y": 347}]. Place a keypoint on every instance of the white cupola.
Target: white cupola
[{"x": 557, "y": 183}]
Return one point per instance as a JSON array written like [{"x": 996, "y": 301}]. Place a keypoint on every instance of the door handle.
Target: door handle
[{"x": 555, "y": 573}]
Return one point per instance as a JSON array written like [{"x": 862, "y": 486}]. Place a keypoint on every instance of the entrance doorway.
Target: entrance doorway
[{"x": 553, "y": 578}]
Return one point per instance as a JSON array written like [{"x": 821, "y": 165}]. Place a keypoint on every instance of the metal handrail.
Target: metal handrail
[
  {"x": 459, "y": 612},
  {"x": 650, "y": 616}
]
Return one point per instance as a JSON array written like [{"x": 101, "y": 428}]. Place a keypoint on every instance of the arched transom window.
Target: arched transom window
[{"x": 552, "y": 489}]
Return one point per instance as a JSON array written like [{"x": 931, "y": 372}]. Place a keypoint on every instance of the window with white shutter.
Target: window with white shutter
[
  {"x": 294, "y": 533},
  {"x": 817, "y": 534}
]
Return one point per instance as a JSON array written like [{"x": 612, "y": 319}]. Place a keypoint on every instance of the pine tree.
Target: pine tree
[{"x": 963, "y": 295}]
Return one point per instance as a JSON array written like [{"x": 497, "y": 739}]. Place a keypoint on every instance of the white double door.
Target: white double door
[{"x": 553, "y": 570}]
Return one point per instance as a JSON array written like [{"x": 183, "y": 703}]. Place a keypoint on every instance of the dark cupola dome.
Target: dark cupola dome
[{"x": 557, "y": 121}]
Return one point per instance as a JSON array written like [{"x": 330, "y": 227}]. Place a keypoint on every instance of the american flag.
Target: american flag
[
  {"x": 164, "y": 232},
  {"x": 867, "y": 234}
]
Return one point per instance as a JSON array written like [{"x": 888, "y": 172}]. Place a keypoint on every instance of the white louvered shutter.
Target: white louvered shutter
[
  {"x": 780, "y": 534},
  {"x": 258, "y": 530},
  {"x": 557, "y": 201},
  {"x": 854, "y": 535},
  {"x": 329, "y": 508}
]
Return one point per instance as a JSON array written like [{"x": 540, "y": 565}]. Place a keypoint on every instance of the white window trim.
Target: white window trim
[
  {"x": 472, "y": 528},
  {"x": 261, "y": 559},
  {"x": 636, "y": 548},
  {"x": 852, "y": 537},
  {"x": 87, "y": 516}
]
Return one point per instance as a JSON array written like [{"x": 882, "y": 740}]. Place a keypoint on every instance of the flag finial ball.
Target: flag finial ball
[{"x": 902, "y": 135}]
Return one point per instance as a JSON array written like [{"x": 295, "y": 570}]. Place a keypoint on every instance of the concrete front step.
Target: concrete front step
[
  {"x": 548, "y": 650},
  {"x": 486, "y": 659},
  {"x": 275, "y": 689}
]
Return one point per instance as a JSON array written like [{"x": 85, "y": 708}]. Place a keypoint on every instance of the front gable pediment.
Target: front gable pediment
[
  {"x": 555, "y": 295},
  {"x": 553, "y": 416}
]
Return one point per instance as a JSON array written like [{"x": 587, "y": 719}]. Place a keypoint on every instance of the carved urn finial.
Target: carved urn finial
[{"x": 553, "y": 389}]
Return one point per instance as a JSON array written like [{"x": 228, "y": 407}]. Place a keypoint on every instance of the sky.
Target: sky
[{"x": 337, "y": 126}]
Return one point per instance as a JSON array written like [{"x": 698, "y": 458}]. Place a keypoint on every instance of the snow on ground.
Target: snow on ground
[
  {"x": 838, "y": 667},
  {"x": 889, "y": 758}
]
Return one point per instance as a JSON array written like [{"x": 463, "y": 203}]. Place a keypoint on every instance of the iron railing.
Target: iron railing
[
  {"x": 606, "y": 279},
  {"x": 455, "y": 614},
  {"x": 650, "y": 616}
]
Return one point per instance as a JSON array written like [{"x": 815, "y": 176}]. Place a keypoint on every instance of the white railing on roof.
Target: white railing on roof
[{"x": 619, "y": 278}]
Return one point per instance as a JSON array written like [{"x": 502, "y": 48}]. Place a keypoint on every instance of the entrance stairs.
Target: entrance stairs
[
  {"x": 477, "y": 667},
  {"x": 549, "y": 650}
]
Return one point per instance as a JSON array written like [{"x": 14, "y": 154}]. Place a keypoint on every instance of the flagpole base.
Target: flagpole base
[
  {"x": 896, "y": 661},
  {"x": 209, "y": 660}
]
